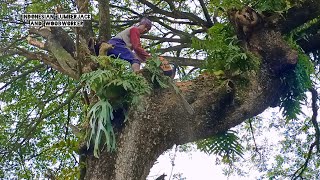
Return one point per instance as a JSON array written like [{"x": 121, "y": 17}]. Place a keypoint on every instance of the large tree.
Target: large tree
[{"x": 251, "y": 55}]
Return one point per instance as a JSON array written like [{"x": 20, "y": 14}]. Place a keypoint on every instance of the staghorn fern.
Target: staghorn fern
[
  {"x": 115, "y": 86},
  {"x": 100, "y": 117}
]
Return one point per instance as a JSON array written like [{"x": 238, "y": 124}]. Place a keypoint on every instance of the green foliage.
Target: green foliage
[
  {"x": 225, "y": 145},
  {"x": 116, "y": 86},
  {"x": 272, "y": 5},
  {"x": 285, "y": 152},
  {"x": 297, "y": 82},
  {"x": 220, "y": 7},
  {"x": 100, "y": 123},
  {"x": 30, "y": 145},
  {"x": 38, "y": 7},
  {"x": 116, "y": 82},
  {"x": 306, "y": 30},
  {"x": 223, "y": 51},
  {"x": 157, "y": 77}
]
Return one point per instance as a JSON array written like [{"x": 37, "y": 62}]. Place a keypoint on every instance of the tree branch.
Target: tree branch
[
  {"x": 305, "y": 165},
  {"x": 86, "y": 31},
  {"x": 176, "y": 31},
  {"x": 104, "y": 21},
  {"x": 206, "y": 13},
  {"x": 299, "y": 15},
  {"x": 35, "y": 125},
  {"x": 36, "y": 43},
  {"x": 175, "y": 14},
  {"x": 41, "y": 56},
  {"x": 253, "y": 137},
  {"x": 11, "y": 44},
  {"x": 174, "y": 20},
  {"x": 163, "y": 39},
  {"x": 171, "y": 5},
  {"x": 64, "y": 39},
  {"x": 298, "y": 173},
  {"x": 185, "y": 61},
  {"x": 65, "y": 60},
  {"x": 315, "y": 108},
  {"x": 14, "y": 69},
  {"x": 174, "y": 48},
  {"x": 311, "y": 43},
  {"x": 22, "y": 75},
  {"x": 125, "y": 9}
]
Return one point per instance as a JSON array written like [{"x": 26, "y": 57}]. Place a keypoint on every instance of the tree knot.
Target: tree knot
[{"x": 244, "y": 20}]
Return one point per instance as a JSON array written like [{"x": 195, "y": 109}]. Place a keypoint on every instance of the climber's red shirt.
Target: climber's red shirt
[{"x": 136, "y": 45}]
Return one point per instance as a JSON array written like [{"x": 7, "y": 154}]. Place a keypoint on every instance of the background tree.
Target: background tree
[{"x": 250, "y": 60}]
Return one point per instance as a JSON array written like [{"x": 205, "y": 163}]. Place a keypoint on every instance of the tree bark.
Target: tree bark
[
  {"x": 165, "y": 122},
  {"x": 218, "y": 106}
]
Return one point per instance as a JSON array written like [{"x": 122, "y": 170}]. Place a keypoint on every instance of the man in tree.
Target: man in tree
[
  {"x": 128, "y": 40},
  {"x": 40, "y": 87}
]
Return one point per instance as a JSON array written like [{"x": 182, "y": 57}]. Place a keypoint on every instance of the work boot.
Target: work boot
[{"x": 104, "y": 47}]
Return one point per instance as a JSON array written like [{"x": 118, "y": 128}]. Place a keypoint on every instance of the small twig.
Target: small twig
[
  {"x": 172, "y": 161},
  {"x": 253, "y": 137},
  {"x": 76, "y": 162},
  {"x": 68, "y": 121},
  {"x": 161, "y": 177},
  {"x": 304, "y": 166},
  {"x": 206, "y": 13},
  {"x": 315, "y": 108},
  {"x": 22, "y": 75},
  {"x": 15, "y": 69},
  {"x": 32, "y": 129},
  {"x": 193, "y": 69}
]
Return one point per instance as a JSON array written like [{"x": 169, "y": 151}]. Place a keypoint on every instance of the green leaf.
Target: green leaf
[
  {"x": 225, "y": 144},
  {"x": 100, "y": 122}
]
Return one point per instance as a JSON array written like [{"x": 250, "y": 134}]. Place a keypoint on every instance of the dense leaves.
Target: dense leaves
[
  {"x": 223, "y": 51},
  {"x": 34, "y": 119}
]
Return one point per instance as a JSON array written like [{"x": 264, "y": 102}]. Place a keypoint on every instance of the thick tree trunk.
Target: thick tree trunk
[
  {"x": 218, "y": 104},
  {"x": 165, "y": 123},
  {"x": 218, "y": 107}
]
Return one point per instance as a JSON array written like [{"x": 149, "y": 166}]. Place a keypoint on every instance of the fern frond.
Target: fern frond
[
  {"x": 225, "y": 145},
  {"x": 100, "y": 117}
]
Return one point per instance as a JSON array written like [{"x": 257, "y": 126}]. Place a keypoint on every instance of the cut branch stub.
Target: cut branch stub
[{"x": 265, "y": 42}]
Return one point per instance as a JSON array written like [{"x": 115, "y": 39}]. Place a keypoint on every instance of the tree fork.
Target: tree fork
[{"x": 218, "y": 107}]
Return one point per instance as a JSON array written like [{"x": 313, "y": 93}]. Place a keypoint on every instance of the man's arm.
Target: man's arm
[{"x": 136, "y": 45}]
